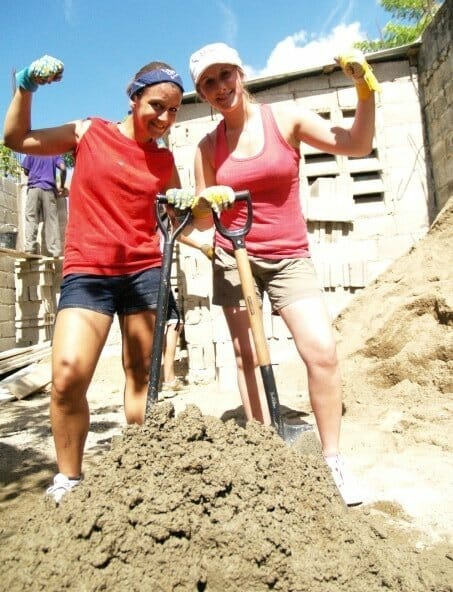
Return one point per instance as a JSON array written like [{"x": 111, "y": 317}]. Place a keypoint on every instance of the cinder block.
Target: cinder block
[
  {"x": 200, "y": 356},
  {"x": 33, "y": 334},
  {"x": 396, "y": 246},
  {"x": 331, "y": 200},
  {"x": 335, "y": 275},
  {"x": 220, "y": 331},
  {"x": 224, "y": 354},
  {"x": 198, "y": 333},
  {"x": 357, "y": 274},
  {"x": 7, "y": 296},
  {"x": 279, "y": 329},
  {"x": 34, "y": 310},
  {"x": 226, "y": 377}
]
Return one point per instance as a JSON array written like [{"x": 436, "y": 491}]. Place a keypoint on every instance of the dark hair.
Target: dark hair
[{"x": 148, "y": 68}]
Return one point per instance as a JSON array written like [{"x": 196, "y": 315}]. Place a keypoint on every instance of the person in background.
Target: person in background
[
  {"x": 112, "y": 256},
  {"x": 255, "y": 147},
  {"x": 171, "y": 384},
  {"x": 41, "y": 204}
]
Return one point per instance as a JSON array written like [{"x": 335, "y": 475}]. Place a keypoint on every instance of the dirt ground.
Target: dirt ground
[{"x": 197, "y": 501}]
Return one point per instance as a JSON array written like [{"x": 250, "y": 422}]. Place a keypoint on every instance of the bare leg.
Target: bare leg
[
  {"x": 137, "y": 330},
  {"x": 78, "y": 340},
  {"x": 248, "y": 373},
  {"x": 309, "y": 323},
  {"x": 51, "y": 223},
  {"x": 32, "y": 210},
  {"x": 171, "y": 344}
]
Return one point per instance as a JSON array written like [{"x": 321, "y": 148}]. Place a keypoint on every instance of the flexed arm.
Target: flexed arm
[
  {"x": 18, "y": 132},
  {"x": 311, "y": 128}
]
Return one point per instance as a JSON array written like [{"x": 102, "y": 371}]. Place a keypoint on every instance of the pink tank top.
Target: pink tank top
[{"x": 278, "y": 230}]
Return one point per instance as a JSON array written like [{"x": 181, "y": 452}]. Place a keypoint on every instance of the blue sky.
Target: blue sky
[{"x": 104, "y": 42}]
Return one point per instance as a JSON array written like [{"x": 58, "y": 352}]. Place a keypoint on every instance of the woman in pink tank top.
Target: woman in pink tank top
[{"x": 256, "y": 148}]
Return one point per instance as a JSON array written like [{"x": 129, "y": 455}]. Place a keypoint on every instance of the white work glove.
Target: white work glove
[{"x": 181, "y": 199}]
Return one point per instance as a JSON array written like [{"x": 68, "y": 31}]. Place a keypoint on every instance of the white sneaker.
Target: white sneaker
[
  {"x": 344, "y": 480},
  {"x": 61, "y": 486}
]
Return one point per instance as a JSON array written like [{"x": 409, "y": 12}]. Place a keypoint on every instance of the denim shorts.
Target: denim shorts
[{"x": 121, "y": 294}]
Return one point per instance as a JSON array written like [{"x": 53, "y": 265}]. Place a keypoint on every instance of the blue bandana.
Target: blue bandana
[{"x": 155, "y": 77}]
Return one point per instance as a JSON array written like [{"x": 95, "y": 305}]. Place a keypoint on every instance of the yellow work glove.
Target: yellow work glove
[
  {"x": 219, "y": 197},
  {"x": 355, "y": 66},
  {"x": 181, "y": 199}
]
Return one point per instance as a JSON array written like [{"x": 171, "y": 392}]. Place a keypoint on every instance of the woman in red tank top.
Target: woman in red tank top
[
  {"x": 256, "y": 148},
  {"x": 112, "y": 255}
]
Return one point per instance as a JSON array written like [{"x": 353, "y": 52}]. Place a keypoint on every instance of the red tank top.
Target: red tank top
[
  {"x": 111, "y": 226},
  {"x": 272, "y": 176}
]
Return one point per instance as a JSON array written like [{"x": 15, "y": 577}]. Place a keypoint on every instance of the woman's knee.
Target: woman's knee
[
  {"x": 137, "y": 370},
  {"x": 69, "y": 381},
  {"x": 324, "y": 356}
]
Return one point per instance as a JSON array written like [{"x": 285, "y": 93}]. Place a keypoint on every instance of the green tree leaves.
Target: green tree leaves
[
  {"x": 416, "y": 16},
  {"x": 9, "y": 164}
]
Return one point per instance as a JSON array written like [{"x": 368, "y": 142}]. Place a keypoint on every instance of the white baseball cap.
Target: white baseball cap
[{"x": 214, "y": 53}]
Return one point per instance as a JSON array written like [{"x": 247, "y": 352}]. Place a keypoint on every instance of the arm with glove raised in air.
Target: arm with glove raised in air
[
  {"x": 357, "y": 139},
  {"x": 18, "y": 132}
]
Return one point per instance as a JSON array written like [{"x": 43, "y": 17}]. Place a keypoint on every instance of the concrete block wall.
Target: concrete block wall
[
  {"x": 436, "y": 98},
  {"x": 28, "y": 287},
  {"x": 9, "y": 192}
]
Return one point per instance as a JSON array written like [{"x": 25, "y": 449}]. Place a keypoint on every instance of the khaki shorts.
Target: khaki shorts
[{"x": 284, "y": 280}]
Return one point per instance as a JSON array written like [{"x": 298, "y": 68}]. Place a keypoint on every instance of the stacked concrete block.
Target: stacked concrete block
[
  {"x": 196, "y": 292},
  {"x": 9, "y": 192},
  {"x": 7, "y": 304},
  {"x": 35, "y": 301},
  {"x": 9, "y": 214},
  {"x": 198, "y": 332},
  {"x": 331, "y": 200}
]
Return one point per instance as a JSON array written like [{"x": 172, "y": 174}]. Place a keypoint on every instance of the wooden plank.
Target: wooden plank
[
  {"x": 20, "y": 254},
  {"x": 23, "y": 255},
  {"x": 23, "y": 359},
  {"x": 17, "y": 351},
  {"x": 25, "y": 382}
]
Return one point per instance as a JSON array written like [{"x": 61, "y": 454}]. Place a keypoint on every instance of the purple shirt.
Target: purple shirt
[{"x": 41, "y": 170}]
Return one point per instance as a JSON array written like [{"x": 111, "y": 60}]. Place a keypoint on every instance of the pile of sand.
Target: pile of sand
[{"x": 190, "y": 503}]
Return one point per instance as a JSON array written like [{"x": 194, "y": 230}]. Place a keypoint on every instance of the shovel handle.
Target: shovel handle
[
  {"x": 170, "y": 236},
  {"x": 254, "y": 310},
  {"x": 237, "y": 235}
]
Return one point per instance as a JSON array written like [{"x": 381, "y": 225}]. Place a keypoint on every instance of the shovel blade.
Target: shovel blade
[{"x": 292, "y": 432}]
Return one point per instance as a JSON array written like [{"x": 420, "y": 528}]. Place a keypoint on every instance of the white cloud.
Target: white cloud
[{"x": 297, "y": 53}]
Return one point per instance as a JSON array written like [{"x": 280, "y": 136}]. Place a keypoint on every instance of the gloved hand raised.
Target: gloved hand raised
[
  {"x": 181, "y": 199},
  {"x": 42, "y": 71},
  {"x": 355, "y": 66},
  {"x": 219, "y": 197}
]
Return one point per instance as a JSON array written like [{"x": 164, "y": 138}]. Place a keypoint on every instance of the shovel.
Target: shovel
[
  {"x": 289, "y": 432},
  {"x": 170, "y": 236}
]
